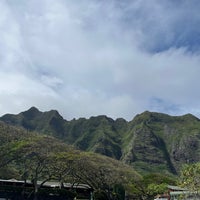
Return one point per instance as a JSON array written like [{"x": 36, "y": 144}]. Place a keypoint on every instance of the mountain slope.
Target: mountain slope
[
  {"x": 162, "y": 141},
  {"x": 151, "y": 142},
  {"x": 98, "y": 134},
  {"x": 46, "y": 122},
  {"x": 36, "y": 157}
]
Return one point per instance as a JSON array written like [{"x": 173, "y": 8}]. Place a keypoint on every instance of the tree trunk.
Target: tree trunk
[{"x": 35, "y": 190}]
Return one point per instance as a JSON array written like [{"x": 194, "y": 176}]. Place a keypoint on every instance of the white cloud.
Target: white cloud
[{"x": 99, "y": 57}]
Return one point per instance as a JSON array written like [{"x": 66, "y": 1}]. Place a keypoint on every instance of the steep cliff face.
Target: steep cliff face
[
  {"x": 151, "y": 142},
  {"x": 98, "y": 134},
  {"x": 147, "y": 147},
  {"x": 162, "y": 141}
]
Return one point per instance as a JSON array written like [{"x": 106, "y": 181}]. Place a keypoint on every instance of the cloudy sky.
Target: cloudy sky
[{"x": 93, "y": 57}]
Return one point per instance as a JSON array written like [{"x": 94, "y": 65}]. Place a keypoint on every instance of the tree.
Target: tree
[
  {"x": 190, "y": 178},
  {"x": 103, "y": 173},
  {"x": 151, "y": 185},
  {"x": 154, "y": 189},
  {"x": 62, "y": 165},
  {"x": 43, "y": 158},
  {"x": 35, "y": 161}
]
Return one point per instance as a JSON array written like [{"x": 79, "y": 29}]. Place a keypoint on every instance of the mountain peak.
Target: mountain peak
[
  {"x": 33, "y": 109},
  {"x": 190, "y": 117},
  {"x": 53, "y": 113},
  {"x": 31, "y": 112}
]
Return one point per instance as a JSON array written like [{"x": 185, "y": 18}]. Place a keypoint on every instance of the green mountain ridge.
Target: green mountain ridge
[{"x": 151, "y": 142}]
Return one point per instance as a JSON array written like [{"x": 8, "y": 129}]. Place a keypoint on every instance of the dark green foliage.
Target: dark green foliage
[
  {"x": 157, "y": 178},
  {"x": 100, "y": 195},
  {"x": 119, "y": 192}
]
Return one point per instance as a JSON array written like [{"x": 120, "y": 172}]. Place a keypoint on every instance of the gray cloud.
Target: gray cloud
[{"x": 99, "y": 57}]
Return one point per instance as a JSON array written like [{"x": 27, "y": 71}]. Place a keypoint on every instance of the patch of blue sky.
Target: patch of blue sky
[
  {"x": 185, "y": 36},
  {"x": 160, "y": 105},
  {"x": 164, "y": 24},
  {"x": 190, "y": 42}
]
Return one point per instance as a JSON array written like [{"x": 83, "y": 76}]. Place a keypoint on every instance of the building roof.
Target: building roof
[
  {"x": 176, "y": 188},
  {"x": 49, "y": 183}
]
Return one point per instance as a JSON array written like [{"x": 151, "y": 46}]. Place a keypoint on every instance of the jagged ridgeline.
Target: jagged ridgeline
[{"x": 151, "y": 142}]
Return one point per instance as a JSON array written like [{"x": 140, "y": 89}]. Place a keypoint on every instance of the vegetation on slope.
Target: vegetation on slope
[
  {"x": 34, "y": 157},
  {"x": 151, "y": 142}
]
